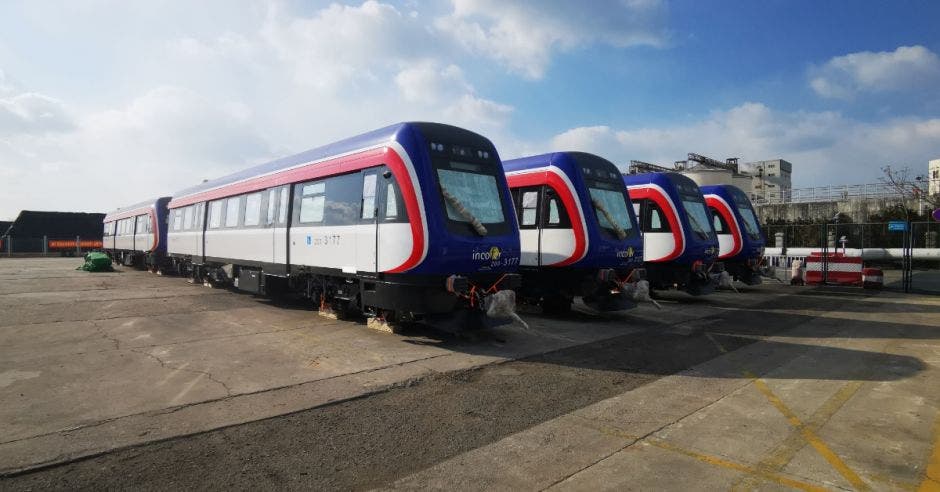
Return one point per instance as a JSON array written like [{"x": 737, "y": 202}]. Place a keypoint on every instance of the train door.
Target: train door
[
  {"x": 527, "y": 202},
  {"x": 276, "y": 218},
  {"x": 723, "y": 230},
  {"x": 658, "y": 240},
  {"x": 395, "y": 239},
  {"x": 557, "y": 240},
  {"x": 367, "y": 232}
]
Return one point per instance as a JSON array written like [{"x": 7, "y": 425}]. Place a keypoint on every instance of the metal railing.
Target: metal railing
[
  {"x": 832, "y": 193},
  {"x": 47, "y": 246}
]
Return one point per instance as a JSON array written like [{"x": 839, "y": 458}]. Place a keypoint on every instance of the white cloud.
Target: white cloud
[
  {"x": 825, "y": 147},
  {"x": 29, "y": 112},
  {"x": 908, "y": 67},
  {"x": 523, "y": 35}
]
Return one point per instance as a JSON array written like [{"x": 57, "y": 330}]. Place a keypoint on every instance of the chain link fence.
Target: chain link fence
[{"x": 913, "y": 255}]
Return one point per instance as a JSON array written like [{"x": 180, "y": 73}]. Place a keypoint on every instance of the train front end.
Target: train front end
[
  {"x": 741, "y": 241},
  {"x": 472, "y": 252},
  {"x": 680, "y": 244}
]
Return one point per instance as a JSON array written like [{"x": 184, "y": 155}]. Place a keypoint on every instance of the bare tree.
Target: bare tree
[{"x": 907, "y": 185}]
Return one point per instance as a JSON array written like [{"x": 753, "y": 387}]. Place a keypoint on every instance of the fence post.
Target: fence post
[
  {"x": 45, "y": 245},
  {"x": 78, "y": 245}
]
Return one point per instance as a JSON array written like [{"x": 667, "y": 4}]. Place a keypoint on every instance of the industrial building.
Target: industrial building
[{"x": 771, "y": 180}]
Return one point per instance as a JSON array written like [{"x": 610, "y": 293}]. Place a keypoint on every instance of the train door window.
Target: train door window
[
  {"x": 215, "y": 214},
  {"x": 282, "y": 206},
  {"x": 177, "y": 219},
  {"x": 656, "y": 219},
  {"x": 721, "y": 227},
  {"x": 393, "y": 210},
  {"x": 200, "y": 215},
  {"x": 253, "y": 209},
  {"x": 368, "y": 195},
  {"x": 553, "y": 212},
  {"x": 188, "y": 218},
  {"x": 231, "y": 211},
  {"x": 272, "y": 207},
  {"x": 312, "y": 202}
]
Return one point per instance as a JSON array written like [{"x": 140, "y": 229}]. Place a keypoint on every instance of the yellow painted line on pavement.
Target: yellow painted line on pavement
[
  {"x": 704, "y": 458},
  {"x": 783, "y": 454},
  {"x": 931, "y": 481},
  {"x": 809, "y": 435}
]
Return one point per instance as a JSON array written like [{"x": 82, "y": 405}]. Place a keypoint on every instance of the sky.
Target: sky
[{"x": 105, "y": 103}]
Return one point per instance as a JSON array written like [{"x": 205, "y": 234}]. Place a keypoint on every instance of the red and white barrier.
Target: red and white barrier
[
  {"x": 843, "y": 270},
  {"x": 873, "y": 278}
]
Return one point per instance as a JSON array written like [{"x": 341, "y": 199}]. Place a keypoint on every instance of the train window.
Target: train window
[
  {"x": 719, "y": 223},
  {"x": 368, "y": 196},
  {"x": 282, "y": 210},
  {"x": 253, "y": 209},
  {"x": 656, "y": 219},
  {"x": 312, "y": 203},
  {"x": 215, "y": 214},
  {"x": 343, "y": 197},
  {"x": 391, "y": 202},
  {"x": 553, "y": 212},
  {"x": 529, "y": 206},
  {"x": 231, "y": 211},
  {"x": 188, "y": 218},
  {"x": 272, "y": 207},
  {"x": 553, "y": 216},
  {"x": 177, "y": 219}
]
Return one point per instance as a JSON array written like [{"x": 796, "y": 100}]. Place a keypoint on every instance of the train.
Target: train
[
  {"x": 411, "y": 222},
  {"x": 577, "y": 229},
  {"x": 740, "y": 239},
  {"x": 136, "y": 235},
  {"x": 680, "y": 246}
]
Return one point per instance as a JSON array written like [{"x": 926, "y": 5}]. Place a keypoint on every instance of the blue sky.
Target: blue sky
[{"x": 104, "y": 102}]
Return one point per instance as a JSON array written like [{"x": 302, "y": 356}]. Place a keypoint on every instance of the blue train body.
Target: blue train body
[
  {"x": 410, "y": 220},
  {"x": 579, "y": 235},
  {"x": 679, "y": 243},
  {"x": 741, "y": 241}
]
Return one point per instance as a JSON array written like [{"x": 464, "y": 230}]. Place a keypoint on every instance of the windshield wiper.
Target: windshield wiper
[
  {"x": 466, "y": 214},
  {"x": 621, "y": 234}
]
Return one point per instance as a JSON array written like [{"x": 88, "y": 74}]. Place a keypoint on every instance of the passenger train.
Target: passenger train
[
  {"x": 578, "y": 233},
  {"x": 409, "y": 222},
  {"x": 136, "y": 235},
  {"x": 740, "y": 241},
  {"x": 680, "y": 246}
]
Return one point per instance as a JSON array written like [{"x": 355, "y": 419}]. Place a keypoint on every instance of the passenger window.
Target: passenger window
[
  {"x": 312, "y": 203},
  {"x": 368, "y": 196},
  {"x": 391, "y": 202},
  {"x": 253, "y": 209},
  {"x": 272, "y": 207},
  {"x": 188, "y": 218},
  {"x": 282, "y": 211},
  {"x": 530, "y": 203},
  {"x": 231, "y": 211},
  {"x": 177, "y": 219},
  {"x": 215, "y": 214}
]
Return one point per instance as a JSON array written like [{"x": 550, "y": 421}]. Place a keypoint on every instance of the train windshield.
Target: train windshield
[
  {"x": 695, "y": 209},
  {"x": 610, "y": 208},
  {"x": 743, "y": 205},
  {"x": 471, "y": 195}
]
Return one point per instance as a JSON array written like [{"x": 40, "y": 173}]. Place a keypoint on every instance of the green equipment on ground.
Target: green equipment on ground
[{"x": 96, "y": 262}]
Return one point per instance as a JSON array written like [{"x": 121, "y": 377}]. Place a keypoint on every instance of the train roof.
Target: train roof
[
  {"x": 670, "y": 178},
  {"x": 566, "y": 160},
  {"x": 31, "y": 223},
  {"x": 366, "y": 140},
  {"x": 136, "y": 209}
]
